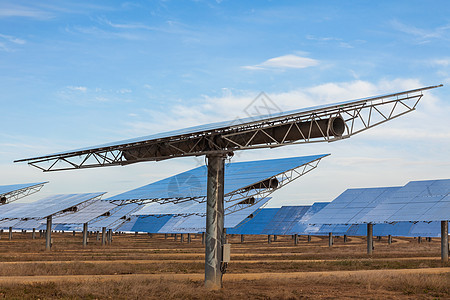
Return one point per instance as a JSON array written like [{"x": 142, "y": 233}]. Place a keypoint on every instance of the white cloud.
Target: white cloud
[
  {"x": 8, "y": 11},
  {"x": 289, "y": 61},
  {"x": 422, "y": 35},
  {"x": 12, "y": 39},
  {"x": 78, "y": 88},
  {"x": 442, "y": 62}
]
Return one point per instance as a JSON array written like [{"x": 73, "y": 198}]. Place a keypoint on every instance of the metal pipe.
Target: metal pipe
[
  {"x": 444, "y": 241},
  {"x": 214, "y": 221},
  {"x": 345, "y": 238},
  {"x": 330, "y": 239},
  {"x": 10, "y": 233},
  {"x": 389, "y": 239},
  {"x": 309, "y": 238},
  {"x": 295, "y": 239},
  {"x": 48, "y": 234},
  {"x": 109, "y": 236},
  {"x": 242, "y": 238},
  {"x": 188, "y": 238},
  {"x": 268, "y": 239},
  {"x": 85, "y": 234},
  {"x": 369, "y": 238},
  {"x": 33, "y": 234}
]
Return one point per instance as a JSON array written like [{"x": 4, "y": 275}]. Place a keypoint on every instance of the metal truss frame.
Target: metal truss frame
[
  {"x": 20, "y": 193},
  {"x": 358, "y": 115}
]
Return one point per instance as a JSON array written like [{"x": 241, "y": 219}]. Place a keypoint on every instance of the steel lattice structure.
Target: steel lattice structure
[
  {"x": 23, "y": 192},
  {"x": 325, "y": 123}
]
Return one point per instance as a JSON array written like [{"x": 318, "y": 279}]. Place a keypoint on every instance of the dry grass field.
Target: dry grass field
[{"x": 144, "y": 267}]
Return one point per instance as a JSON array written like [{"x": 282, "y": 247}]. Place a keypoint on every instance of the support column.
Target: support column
[
  {"x": 309, "y": 239},
  {"x": 345, "y": 238},
  {"x": 10, "y": 233},
  {"x": 103, "y": 236},
  {"x": 98, "y": 235},
  {"x": 109, "y": 236},
  {"x": 165, "y": 236},
  {"x": 33, "y": 234},
  {"x": 214, "y": 221},
  {"x": 188, "y": 238},
  {"x": 203, "y": 238},
  {"x": 242, "y": 238},
  {"x": 444, "y": 241},
  {"x": 73, "y": 233},
  {"x": 295, "y": 239},
  {"x": 330, "y": 239},
  {"x": 48, "y": 234},
  {"x": 274, "y": 238},
  {"x": 268, "y": 239},
  {"x": 369, "y": 238},
  {"x": 419, "y": 240},
  {"x": 389, "y": 239},
  {"x": 85, "y": 234},
  {"x": 182, "y": 238}
]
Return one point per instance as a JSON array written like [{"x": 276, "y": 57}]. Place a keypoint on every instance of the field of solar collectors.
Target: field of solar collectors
[{"x": 144, "y": 266}]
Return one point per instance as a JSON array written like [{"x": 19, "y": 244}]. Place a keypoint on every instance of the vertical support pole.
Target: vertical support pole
[
  {"x": 85, "y": 234},
  {"x": 48, "y": 234},
  {"x": 268, "y": 239},
  {"x": 10, "y": 233},
  {"x": 203, "y": 238},
  {"x": 214, "y": 221},
  {"x": 242, "y": 238},
  {"x": 345, "y": 238},
  {"x": 73, "y": 233},
  {"x": 98, "y": 235},
  {"x": 369, "y": 238},
  {"x": 165, "y": 236},
  {"x": 110, "y": 236},
  {"x": 419, "y": 240},
  {"x": 33, "y": 234},
  {"x": 103, "y": 236},
  {"x": 188, "y": 238},
  {"x": 389, "y": 239},
  {"x": 182, "y": 238},
  {"x": 330, "y": 239},
  {"x": 274, "y": 237},
  {"x": 295, "y": 239},
  {"x": 175, "y": 237},
  {"x": 309, "y": 239},
  {"x": 444, "y": 241}
]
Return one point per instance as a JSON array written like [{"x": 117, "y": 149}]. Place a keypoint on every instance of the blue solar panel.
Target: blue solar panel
[
  {"x": 285, "y": 219},
  {"x": 128, "y": 224},
  {"x": 351, "y": 205},
  {"x": 192, "y": 183},
  {"x": 195, "y": 223},
  {"x": 256, "y": 224},
  {"x": 47, "y": 206},
  {"x": 86, "y": 214},
  {"x": 302, "y": 226},
  {"x": 5, "y": 189},
  {"x": 417, "y": 201},
  {"x": 151, "y": 224},
  {"x": 116, "y": 218}
]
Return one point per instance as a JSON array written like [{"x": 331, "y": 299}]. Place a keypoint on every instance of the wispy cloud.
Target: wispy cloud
[
  {"x": 8, "y": 11},
  {"x": 289, "y": 61},
  {"x": 423, "y": 35},
  {"x": 442, "y": 62},
  {"x": 7, "y": 42},
  {"x": 78, "y": 88}
]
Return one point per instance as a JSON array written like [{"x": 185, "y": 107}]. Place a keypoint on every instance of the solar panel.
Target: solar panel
[
  {"x": 127, "y": 225},
  {"x": 151, "y": 224},
  {"x": 255, "y": 223},
  {"x": 117, "y": 217},
  {"x": 423, "y": 229},
  {"x": 192, "y": 183},
  {"x": 285, "y": 219},
  {"x": 417, "y": 201},
  {"x": 351, "y": 205},
  {"x": 27, "y": 224},
  {"x": 47, "y": 206},
  {"x": 86, "y": 214},
  {"x": 195, "y": 223},
  {"x": 302, "y": 226}
]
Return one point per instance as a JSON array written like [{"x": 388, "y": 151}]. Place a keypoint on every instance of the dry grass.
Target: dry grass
[{"x": 24, "y": 256}]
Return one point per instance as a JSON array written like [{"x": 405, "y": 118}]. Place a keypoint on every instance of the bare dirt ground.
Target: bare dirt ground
[{"x": 144, "y": 267}]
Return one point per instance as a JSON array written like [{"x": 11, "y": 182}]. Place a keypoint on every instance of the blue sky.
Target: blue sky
[{"x": 81, "y": 73}]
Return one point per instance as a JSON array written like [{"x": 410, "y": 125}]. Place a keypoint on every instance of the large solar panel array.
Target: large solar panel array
[
  {"x": 417, "y": 201},
  {"x": 192, "y": 183},
  {"x": 118, "y": 216},
  {"x": 302, "y": 226}
]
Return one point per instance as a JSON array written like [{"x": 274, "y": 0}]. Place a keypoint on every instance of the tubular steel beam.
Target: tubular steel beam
[
  {"x": 48, "y": 234},
  {"x": 330, "y": 239},
  {"x": 214, "y": 221},
  {"x": 444, "y": 241},
  {"x": 369, "y": 238}
]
